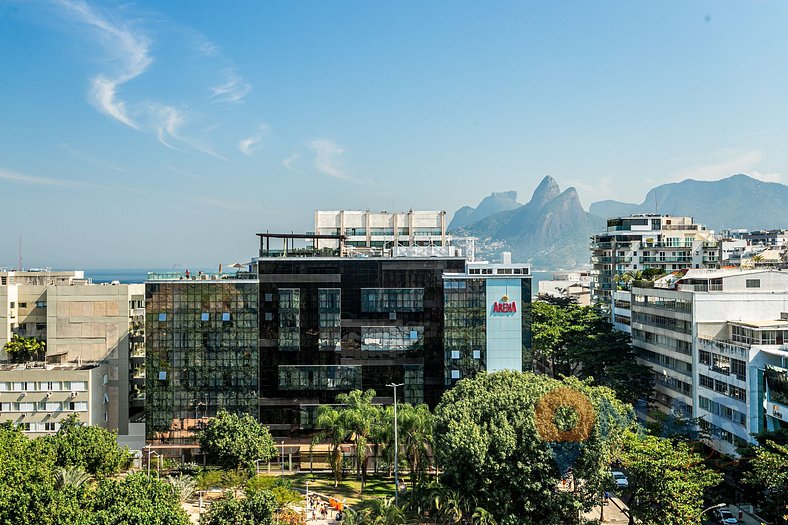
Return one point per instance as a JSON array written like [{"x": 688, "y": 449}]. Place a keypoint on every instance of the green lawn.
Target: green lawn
[{"x": 349, "y": 488}]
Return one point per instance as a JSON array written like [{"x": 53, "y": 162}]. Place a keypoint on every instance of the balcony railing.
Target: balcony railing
[{"x": 700, "y": 287}]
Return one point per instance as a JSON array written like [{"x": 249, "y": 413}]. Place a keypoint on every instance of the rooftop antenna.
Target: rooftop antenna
[{"x": 19, "y": 264}]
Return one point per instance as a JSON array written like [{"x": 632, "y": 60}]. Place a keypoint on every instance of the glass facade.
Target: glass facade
[
  {"x": 325, "y": 377},
  {"x": 289, "y": 319},
  {"x": 195, "y": 363},
  {"x": 392, "y": 299},
  {"x": 465, "y": 331},
  {"x": 391, "y": 338},
  {"x": 329, "y": 312}
]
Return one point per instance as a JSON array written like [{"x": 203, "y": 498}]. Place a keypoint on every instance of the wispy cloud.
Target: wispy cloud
[
  {"x": 328, "y": 158},
  {"x": 232, "y": 90},
  {"x": 128, "y": 47},
  {"x": 88, "y": 158},
  {"x": 220, "y": 204},
  {"x": 289, "y": 161},
  {"x": 251, "y": 144},
  {"x": 131, "y": 52},
  {"x": 20, "y": 178},
  {"x": 726, "y": 163}
]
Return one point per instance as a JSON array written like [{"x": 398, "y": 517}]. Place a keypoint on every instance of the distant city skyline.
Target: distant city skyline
[{"x": 152, "y": 134}]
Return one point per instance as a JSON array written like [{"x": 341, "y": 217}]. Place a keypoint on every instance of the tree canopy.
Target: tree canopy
[
  {"x": 769, "y": 476},
  {"x": 91, "y": 448},
  {"x": 236, "y": 441},
  {"x": 257, "y": 508},
  {"x": 22, "y": 349},
  {"x": 506, "y": 439},
  {"x": 572, "y": 340},
  {"x": 667, "y": 479}
]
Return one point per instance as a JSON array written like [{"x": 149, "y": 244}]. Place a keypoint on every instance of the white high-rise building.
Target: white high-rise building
[{"x": 708, "y": 335}]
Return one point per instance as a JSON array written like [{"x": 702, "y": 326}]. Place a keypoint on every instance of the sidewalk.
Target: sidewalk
[{"x": 613, "y": 513}]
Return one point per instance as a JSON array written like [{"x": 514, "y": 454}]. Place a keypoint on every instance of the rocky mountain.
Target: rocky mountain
[
  {"x": 551, "y": 231},
  {"x": 494, "y": 203},
  {"x": 736, "y": 202}
]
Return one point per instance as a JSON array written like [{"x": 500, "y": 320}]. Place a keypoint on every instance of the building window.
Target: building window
[
  {"x": 225, "y": 316},
  {"x": 316, "y": 377},
  {"x": 162, "y": 317},
  {"x": 381, "y": 300},
  {"x": 477, "y": 354},
  {"x": 455, "y": 354},
  {"x": 329, "y": 318},
  {"x": 78, "y": 386},
  {"x": 289, "y": 319},
  {"x": 455, "y": 374},
  {"x": 41, "y": 304},
  {"x": 22, "y": 305},
  {"x": 391, "y": 338},
  {"x": 205, "y": 316},
  {"x": 269, "y": 316},
  {"x": 753, "y": 283}
]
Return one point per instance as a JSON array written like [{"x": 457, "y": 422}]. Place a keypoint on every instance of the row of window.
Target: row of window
[
  {"x": 204, "y": 316},
  {"x": 723, "y": 388},
  {"x": 674, "y": 305},
  {"x": 43, "y": 386},
  {"x": 668, "y": 362},
  {"x": 659, "y": 321},
  {"x": 44, "y": 406},
  {"x": 381, "y": 300},
  {"x": 742, "y": 334},
  {"x": 315, "y": 377},
  {"x": 723, "y": 364},
  {"x": 674, "y": 384},
  {"x": 497, "y": 271},
  {"x": 718, "y": 409},
  {"x": 391, "y": 338},
  {"x": 669, "y": 343},
  {"x": 39, "y": 304},
  {"x": 721, "y": 434}
]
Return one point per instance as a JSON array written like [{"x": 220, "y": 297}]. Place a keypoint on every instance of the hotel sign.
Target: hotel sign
[{"x": 504, "y": 306}]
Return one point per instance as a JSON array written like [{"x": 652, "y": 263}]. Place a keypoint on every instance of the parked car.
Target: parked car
[
  {"x": 621, "y": 480},
  {"x": 726, "y": 517}
]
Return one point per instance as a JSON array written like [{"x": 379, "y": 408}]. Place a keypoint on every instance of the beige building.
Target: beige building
[{"x": 86, "y": 326}]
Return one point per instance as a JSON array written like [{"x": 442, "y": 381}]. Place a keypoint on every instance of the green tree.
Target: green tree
[
  {"x": 331, "y": 425},
  {"x": 23, "y": 349},
  {"x": 236, "y": 441},
  {"x": 666, "y": 478},
  {"x": 359, "y": 416},
  {"x": 768, "y": 475},
  {"x": 91, "y": 448},
  {"x": 506, "y": 439},
  {"x": 136, "y": 500},
  {"x": 572, "y": 340},
  {"x": 71, "y": 477},
  {"x": 183, "y": 487},
  {"x": 257, "y": 508},
  {"x": 415, "y": 430}
]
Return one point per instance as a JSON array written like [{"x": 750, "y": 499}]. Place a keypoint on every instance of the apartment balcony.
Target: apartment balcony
[
  {"x": 680, "y": 227},
  {"x": 601, "y": 245},
  {"x": 658, "y": 259},
  {"x": 699, "y": 287}
]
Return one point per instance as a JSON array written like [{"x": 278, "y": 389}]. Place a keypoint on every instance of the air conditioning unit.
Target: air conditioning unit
[
  {"x": 49, "y": 394},
  {"x": 73, "y": 394},
  {"x": 784, "y": 316}
]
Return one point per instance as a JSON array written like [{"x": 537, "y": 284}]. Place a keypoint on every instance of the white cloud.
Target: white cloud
[
  {"x": 327, "y": 158},
  {"x": 251, "y": 144},
  {"x": 724, "y": 164},
  {"x": 131, "y": 52},
  {"x": 21, "y": 178},
  {"x": 289, "y": 161},
  {"x": 169, "y": 120},
  {"x": 233, "y": 90}
]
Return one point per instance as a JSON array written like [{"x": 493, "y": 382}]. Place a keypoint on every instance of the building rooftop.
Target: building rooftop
[{"x": 40, "y": 367}]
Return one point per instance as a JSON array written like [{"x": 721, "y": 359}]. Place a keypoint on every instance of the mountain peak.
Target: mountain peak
[
  {"x": 494, "y": 203},
  {"x": 547, "y": 190}
]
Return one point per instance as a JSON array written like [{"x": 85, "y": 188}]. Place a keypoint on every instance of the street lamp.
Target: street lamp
[
  {"x": 150, "y": 451},
  {"x": 713, "y": 507},
  {"x": 396, "y": 444},
  {"x": 257, "y": 466},
  {"x": 282, "y": 461}
]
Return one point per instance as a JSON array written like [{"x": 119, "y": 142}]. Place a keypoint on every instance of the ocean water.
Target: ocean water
[{"x": 131, "y": 275}]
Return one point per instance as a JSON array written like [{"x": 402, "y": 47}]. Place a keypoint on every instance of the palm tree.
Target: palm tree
[
  {"x": 182, "y": 487},
  {"x": 332, "y": 426},
  {"x": 482, "y": 517},
  {"x": 359, "y": 416},
  {"x": 71, "y": 477},
  {"x": 416, "y": 425}
]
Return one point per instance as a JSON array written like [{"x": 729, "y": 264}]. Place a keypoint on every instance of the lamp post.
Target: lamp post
[
  {"x": 150, "y": 451},
  {"x": 282, "y": 460},
  {"x": 257, "y": 466},
  {"x": 396, "y": 444},
  {"x": 717, "y": 506}
]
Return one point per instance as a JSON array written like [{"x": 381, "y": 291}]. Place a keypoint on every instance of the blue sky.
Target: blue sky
[{"x": 149, "y": 134}]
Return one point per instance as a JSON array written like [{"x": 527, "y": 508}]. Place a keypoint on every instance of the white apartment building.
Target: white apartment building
[
  {"x": 39, "y": 397},
  {"x": 708, "y": 334},
  {"x": 86, "y": 327},
  {"x": 641, "y": 242},
  {"x": 398, "y": 234}
]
